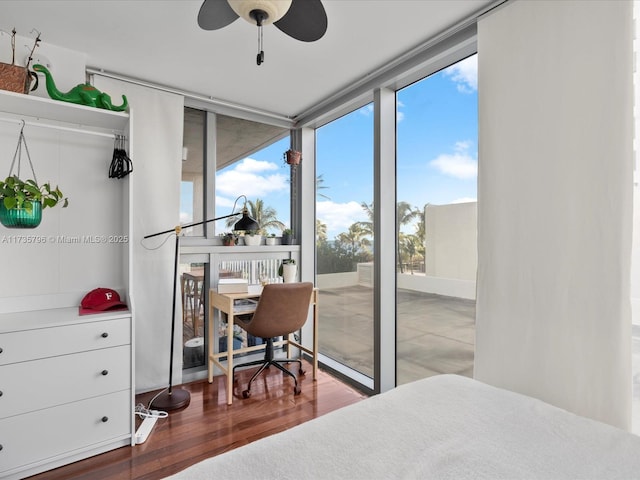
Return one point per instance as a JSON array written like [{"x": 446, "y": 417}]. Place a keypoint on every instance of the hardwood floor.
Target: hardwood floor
[{"x": 208, "y": 426}]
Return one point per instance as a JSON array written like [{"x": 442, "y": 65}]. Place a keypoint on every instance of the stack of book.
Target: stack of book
[{"x": 233, "y": 285}]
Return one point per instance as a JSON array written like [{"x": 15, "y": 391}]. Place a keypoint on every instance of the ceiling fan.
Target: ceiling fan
[{"x": 304, "y": 20}]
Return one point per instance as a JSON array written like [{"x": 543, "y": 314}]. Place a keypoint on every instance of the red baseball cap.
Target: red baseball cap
[{"x": 101, "y": 299}]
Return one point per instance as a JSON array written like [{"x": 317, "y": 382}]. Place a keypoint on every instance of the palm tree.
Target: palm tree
[
  {"x": 368, "y": 225},
  {"x": 321, "y": 231},
  {"x": 265, "y": 216},
  {"x": 321, "y": 186},
  {"x": 355, "y": 238},
  {"x": 406, "y": 213}
]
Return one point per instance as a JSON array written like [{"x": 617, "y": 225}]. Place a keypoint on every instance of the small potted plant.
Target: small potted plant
[
  {"x": 292, "y": 157},
  {"x": 229, "y": 239},
  {"x": 270, "y": 239},
  {"x": 23, "y": 201},
  {"x": 287, "y": 237},
  {"x": 252, "y": 238},
  {"x": 287, "y": 270}
]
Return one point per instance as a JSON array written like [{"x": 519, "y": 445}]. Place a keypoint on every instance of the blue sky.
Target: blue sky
[{"x": 436, "y": 150}]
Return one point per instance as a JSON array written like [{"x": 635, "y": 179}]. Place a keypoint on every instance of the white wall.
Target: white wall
[
  {"x": 555, "y": 203},
  {"x": 451, "y": 240}
]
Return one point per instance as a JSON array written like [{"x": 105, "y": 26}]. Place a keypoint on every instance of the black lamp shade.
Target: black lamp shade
[{"x": 246, "y": 223}]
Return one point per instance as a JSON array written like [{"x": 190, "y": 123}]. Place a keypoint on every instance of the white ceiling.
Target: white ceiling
[{"x": 160, "y": 42}]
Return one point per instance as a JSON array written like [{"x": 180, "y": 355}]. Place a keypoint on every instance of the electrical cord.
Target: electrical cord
[{"x": 144, "y": 412}]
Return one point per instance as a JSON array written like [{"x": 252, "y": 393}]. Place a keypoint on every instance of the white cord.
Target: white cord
[{"x": 144, "y": 412}]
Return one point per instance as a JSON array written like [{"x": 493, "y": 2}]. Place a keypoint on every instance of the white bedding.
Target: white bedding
[{"x": 443, "y": 427}]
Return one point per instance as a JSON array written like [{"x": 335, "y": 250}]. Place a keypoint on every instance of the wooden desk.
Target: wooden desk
[{"x": 223, "y": 302}]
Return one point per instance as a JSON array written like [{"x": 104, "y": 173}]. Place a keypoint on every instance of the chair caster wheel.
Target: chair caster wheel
[
  {"x": 297, "y": 390},
  {"x": 246, "y": 394},
  {"x": 302, "y": 372}
]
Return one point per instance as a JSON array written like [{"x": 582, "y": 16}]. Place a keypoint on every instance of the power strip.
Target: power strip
[{"x": 144, "y": 430}]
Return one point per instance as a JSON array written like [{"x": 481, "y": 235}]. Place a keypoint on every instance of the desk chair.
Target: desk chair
[{"x": 282, "y": 309}]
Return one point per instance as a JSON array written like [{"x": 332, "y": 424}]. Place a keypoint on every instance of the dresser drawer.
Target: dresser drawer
[
  {"x": 39, "y": 384},
  {"x": 41, "y": 435},
  {"x": 48, "y": 342}
]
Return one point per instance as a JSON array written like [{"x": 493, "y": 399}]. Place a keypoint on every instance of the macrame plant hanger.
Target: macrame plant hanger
[
  {"x": 25, "y": 213},
  {"x": 18, "y": 155}
]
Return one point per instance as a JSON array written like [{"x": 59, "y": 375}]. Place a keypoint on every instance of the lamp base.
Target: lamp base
[{"x": 173, "y": 400}]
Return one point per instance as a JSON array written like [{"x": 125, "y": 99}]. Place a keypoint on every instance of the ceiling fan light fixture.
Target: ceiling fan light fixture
[{"x": 273, "y": 9}]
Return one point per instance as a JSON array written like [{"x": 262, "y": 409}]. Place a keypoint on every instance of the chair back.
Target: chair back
[{"x": 283, "y": 308}]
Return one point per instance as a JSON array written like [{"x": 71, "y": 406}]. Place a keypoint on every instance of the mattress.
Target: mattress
[{"x": 442, "y": 427}]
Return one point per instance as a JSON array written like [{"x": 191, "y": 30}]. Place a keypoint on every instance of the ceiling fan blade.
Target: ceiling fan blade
[
  {"x": 215, "y": 14},
  {"x": 305, "y": 20}
]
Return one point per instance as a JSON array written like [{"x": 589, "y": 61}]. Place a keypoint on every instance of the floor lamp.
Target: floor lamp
[{"x": 173, "y": 399}]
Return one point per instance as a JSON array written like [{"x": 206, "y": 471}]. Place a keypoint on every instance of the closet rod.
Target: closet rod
[{"x": 58, "y": 127}]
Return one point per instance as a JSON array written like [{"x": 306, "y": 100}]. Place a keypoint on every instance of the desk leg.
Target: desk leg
[
  {"x": 210, "y": 324},
  {"x": 229, "y": 359}
]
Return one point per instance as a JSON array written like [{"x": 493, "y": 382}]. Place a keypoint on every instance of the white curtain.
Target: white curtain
[
  {"x": 157, "y": 120},
  {"x": 555, "y": 203}
]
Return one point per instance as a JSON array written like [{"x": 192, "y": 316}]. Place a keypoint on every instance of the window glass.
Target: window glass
[
  {"x": 344, "y": 236},
  {"x": 437, "y": 131}
]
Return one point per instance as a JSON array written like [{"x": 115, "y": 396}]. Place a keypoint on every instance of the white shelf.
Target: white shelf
[{"x": 45, "y": 108}]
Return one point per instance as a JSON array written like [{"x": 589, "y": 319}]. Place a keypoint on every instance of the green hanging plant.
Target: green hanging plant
[{"x": 17, "y": 193}]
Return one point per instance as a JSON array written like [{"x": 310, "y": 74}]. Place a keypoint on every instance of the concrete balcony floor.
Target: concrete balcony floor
[{"x": 435, "y": 334}]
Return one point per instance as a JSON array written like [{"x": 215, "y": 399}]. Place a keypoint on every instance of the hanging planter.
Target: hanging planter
[
  {"x": 21, "y": 217},
  {"x": 292, "y": 157},
  {"x": 22, "y": 201}
]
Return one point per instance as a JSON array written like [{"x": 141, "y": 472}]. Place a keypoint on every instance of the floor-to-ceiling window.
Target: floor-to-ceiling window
[
  {"x": 437, "y": 132},
  {"x": 344, "y": 236},
  {"x": 248, "y": 167}
]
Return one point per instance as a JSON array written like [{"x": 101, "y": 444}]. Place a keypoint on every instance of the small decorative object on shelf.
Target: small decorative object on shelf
[
  {"x": 229, "y": 239},
  {"x": 15, "y": 78},
  {"x": 271, "y": 239},
  {"x": 287, "y": 270},
  {"x": 23, "y": 200},
  {"x": 252, "y": 238},
  {"x": 287, "y": 237},
  {"x": 292, "y": 157},
  {"x": 83, "y": 94}
]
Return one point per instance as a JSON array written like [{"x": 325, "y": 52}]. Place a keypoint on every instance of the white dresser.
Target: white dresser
[{"x": 65, "y": 388}]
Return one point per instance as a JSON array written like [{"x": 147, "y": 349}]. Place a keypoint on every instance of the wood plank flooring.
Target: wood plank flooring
[{"x": 208, "y": 426}]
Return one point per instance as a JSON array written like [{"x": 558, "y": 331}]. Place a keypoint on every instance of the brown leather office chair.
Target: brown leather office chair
[{"x": 282, "y": 309}]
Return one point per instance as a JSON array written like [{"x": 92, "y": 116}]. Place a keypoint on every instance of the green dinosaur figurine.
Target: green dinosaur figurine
[{"x": 83, "y": 94}]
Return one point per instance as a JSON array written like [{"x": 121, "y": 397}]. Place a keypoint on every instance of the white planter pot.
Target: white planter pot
[
  {"x": 289, "y": 272},
  {"x": 270, "y": 240},
  {"x": 252, "y": 240}
]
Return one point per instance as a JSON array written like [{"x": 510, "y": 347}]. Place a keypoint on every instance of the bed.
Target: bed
[{"x": 442, "y": 427}]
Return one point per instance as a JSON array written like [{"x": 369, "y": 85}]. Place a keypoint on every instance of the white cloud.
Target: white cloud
[
  {"x": 249, "y": 165},
  {"x": 185, "y": 217},
  {"x": 367, "y": 110},
  {"x": 465, "y": 200},
  {"x": 465, "y": 74},
  {"x": 338, "y": 217},
  {"x": 459, "y": 164},
  {"x": 399, "y": 114},
  {"x": 250, "y": 177}
]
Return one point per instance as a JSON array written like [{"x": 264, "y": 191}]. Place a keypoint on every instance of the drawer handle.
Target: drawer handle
[
  {"x": 105, "y": 335},
  {"x": 105, "y": 372},
  {"x": 105, "y": 419}
]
